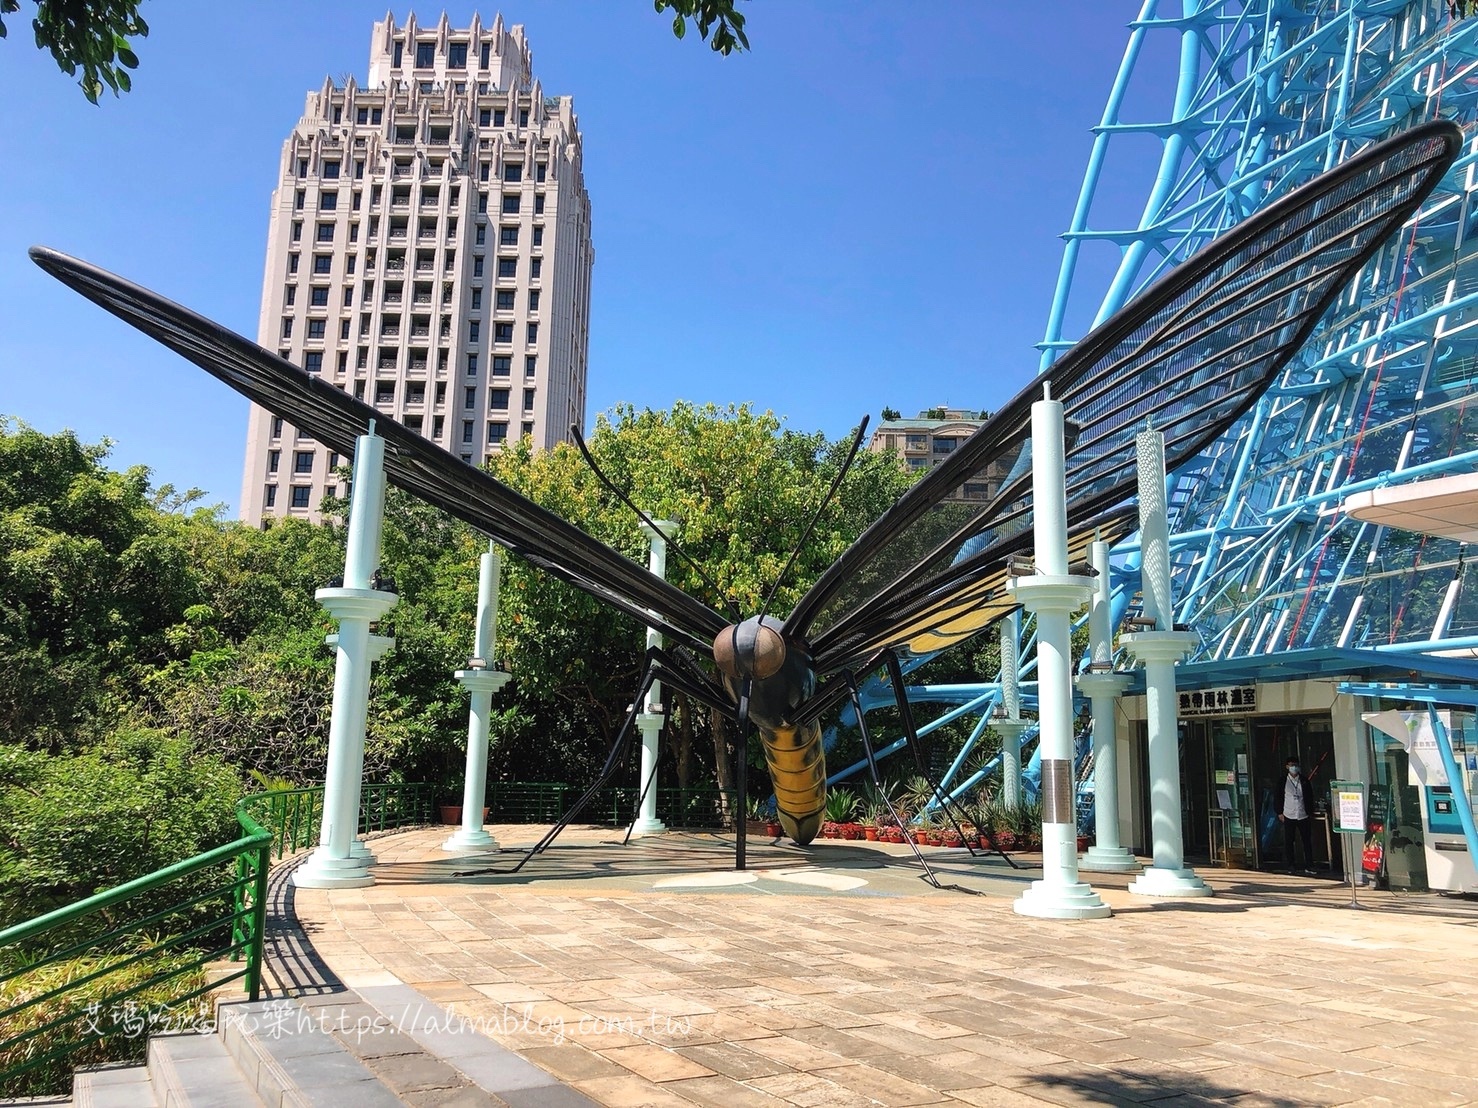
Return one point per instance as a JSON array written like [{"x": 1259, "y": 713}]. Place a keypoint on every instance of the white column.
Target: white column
[
  {"x": 376, "y": 647},
  {"x": 335, "y": 864},
  {"x": 1053, "y": 595},
  {"x": 1160, "y": 650},
  {"x": 1011, "y": 727},
  {"x": 1103, "y": 687},
  {"x": 481, "y": 680},
  {"x": 649, "y": 720}
]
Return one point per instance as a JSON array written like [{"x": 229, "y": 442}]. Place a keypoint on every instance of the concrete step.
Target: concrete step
[
  {"x": 113, "y": 1087},
  {"x": 197, "y": 1071},
  {"x": 290, "y": 1060}
]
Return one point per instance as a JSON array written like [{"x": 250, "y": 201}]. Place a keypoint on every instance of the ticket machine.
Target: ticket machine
[{"x": 1450, "y": 861}]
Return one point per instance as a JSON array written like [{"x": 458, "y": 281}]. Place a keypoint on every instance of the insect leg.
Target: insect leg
[
  {"x": 658, "y": 664},
  {"x": 872, "y": 769},
  {"x": 947, "y": 804},
  {"x": 682, "y": 673}
]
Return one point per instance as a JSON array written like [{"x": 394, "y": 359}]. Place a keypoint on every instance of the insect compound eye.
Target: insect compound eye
[{"x": 749, "y": 649}]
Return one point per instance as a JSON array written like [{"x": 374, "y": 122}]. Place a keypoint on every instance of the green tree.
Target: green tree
[
  {"x": 92, "y": 579},
  {"x": 743, "y": 489},
  {"x": 717, "y": 17},
  {"x": 91, "y": 35}
]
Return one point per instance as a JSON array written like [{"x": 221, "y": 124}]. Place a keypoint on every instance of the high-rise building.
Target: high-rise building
[
  {"x": 429, "y": 252},
  {"x": 931, "y": 437}
]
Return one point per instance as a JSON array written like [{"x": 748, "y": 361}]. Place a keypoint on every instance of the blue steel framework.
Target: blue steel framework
[{"x": 1268, "y": 94}]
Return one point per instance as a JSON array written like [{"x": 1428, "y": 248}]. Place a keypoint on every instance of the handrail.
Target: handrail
[{"x": 272, "y": 824}]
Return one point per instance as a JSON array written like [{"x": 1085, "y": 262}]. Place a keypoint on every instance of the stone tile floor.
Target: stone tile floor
[{"x": 639, "y": 976}]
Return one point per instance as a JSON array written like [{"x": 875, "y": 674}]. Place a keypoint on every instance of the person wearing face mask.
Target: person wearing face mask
[{"x": 1296, "y": 813}]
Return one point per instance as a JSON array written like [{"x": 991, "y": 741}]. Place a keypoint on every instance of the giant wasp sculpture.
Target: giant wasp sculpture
[{"x": 1188, "y": 355}]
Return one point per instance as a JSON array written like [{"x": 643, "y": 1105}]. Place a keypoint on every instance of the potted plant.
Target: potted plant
[
  {"x": 922, "y": 829},
  {"x": 1027, "y": 825},
  {"x": 840, "y": 805},
  {"x": 755, "y": 816},
  {"x": 873, "y": 817},
  {"x": 951, "y": 837},
  {"x": 1003, "y": 826}
]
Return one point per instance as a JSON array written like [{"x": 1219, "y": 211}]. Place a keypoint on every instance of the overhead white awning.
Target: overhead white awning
[{"x": 1445, "y": 507}]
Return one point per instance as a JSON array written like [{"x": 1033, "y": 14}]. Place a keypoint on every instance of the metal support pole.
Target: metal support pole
[
  {"x": 1011, "y": 727},
  {"x": 649, "y": 721},
  {"x": 335, "y": 864},
  {"x": 482, "y": 680},
  {"x": 1053, "y": 595},
  {"x": 1160, "y": 650},
  {"x": 1103, "y": 687}
]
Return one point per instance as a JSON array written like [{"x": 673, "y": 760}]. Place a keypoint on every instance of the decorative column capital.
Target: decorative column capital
[
  {"x": 368, "y": 604},
  {"x": 664, "y": 529},
  {"x": 483, "y": 680},
  {"x": 1160, "y": 646},
  {"x": 1050, "y": 592},
  {"x": 1103, "y": 684}
]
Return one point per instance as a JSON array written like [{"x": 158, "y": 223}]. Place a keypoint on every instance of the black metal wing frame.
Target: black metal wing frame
[
  {"x": 413, "y": 463},
  {"x": 1189, "y": 355}
]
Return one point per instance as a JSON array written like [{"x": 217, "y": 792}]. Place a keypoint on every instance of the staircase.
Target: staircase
[{"x": 383, "y": 1047}]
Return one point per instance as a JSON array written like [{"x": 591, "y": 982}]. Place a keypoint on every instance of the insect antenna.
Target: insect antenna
[
  {"x": 816, "y": 516},
  {"x": 621, "y": 496}
]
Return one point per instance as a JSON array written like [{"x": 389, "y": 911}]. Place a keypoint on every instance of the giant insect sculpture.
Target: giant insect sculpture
[{"x": 1189, "y": 355}]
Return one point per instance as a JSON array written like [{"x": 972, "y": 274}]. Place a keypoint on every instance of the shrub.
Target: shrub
[
  {"x": 74, "y": 826},
  {"x": 123, "y": 1021}
]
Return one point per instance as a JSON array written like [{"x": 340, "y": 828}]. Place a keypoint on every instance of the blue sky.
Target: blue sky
[{"x": 862, "y": 211}]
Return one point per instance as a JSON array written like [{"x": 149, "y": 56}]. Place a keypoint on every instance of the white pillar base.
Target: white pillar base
[
  {"x": 362, "y": 853},
  {"x": 1052, "y": 901},
  {"x": 321, "y": 871},
  {"x": 1169, "y": 882},
  {"x": 463, "y": 841},
  {"x": 1109, "y": 859},
  {"x": 647, "y": 827}
]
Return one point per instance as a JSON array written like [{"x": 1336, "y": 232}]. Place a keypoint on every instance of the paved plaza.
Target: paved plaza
[{"x": 643, "y": 975}]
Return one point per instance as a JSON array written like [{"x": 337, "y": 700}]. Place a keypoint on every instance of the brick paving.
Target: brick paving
[{"x": 636, "y": 984}]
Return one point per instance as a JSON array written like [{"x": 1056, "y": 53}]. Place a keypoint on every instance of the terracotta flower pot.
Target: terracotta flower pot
[
  {"x": 870, "y": 834},
  {"x": 773, "y": 829},
  {"x": 921, "y": 838}
]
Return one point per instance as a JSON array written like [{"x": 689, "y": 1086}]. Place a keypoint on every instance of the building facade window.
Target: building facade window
[
  {"x": 313, "y": 361},
  {"x": 507, "y": 267},
  {"x": 502, "y": 364},
  {"x": 497, "y": 434},
  {"x": 301, "y": 496},
  {"x": 269, "y": 497},
  {"x": 318, "y": 296}
]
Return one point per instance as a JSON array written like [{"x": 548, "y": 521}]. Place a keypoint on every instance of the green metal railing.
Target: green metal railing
[
  {"x": 615, "y": 806},
  {"x": 209, "y": 908}
]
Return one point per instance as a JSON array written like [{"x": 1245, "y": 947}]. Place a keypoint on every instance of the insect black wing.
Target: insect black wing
[
  {"x": 412, "y": 463},
  {"x": 1189, "y": 355}
]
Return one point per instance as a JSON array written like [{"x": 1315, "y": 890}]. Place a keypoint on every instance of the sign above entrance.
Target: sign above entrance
[{"x": 1233, "y": 700}]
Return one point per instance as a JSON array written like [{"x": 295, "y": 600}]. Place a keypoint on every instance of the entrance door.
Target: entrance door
[
  {"x": 1195, "y": 794},
  {"x": 1274, "y": 741}
]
